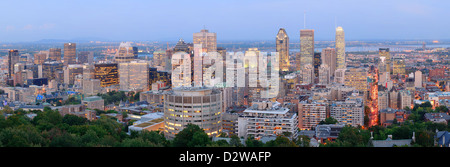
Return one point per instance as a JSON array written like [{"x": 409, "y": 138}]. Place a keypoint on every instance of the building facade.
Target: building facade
[
  {"x": 329, "y": 58},
  {"x": 54, "y": 54},
  {"x": 340, "y": 48},
  {"x": 126, "y": 52},
  {"x": 107, "y": 73},
  {"x": 134, "y": 75},
  {"x": 70, "y": 53},
  {"x": 348, "y": 112},
  {"x": 282, "y": 47},
  {"x": 208, "y": 40},
  {"x": 195, "y": 105},
  {"x": 267, "y": 119},
  {"x": 306, "y": 47},
  {"x": 310, "y": 114}
]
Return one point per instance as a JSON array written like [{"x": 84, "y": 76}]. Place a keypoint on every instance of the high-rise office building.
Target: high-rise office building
[
  {"x": 71, "y": 71},
  {"x": 340, "y": 48},
  {"x": 306, "y": 47},
  {"x": 386, "y": 56},
  {"x": 328, "y": 57},
  {"x": 13, "y": 58},
  {"x": 160, "y": 60},
  {"x": 398, "y": 66},
  {"x": 86, "y": 57},
  {"x": 307, "y": 74},
  {"x": 418, "y": 79},
  {"x": 40, "y": 57},
  {"x": 317, "y": 63},
  {"x": 107, "y": 73},
  {"x": 282, "y": 47},
  {"x": 357, "y": 78},
  {"x": 126, "y": 52},
  {"x": 134, "y": 75},
  {"x": 70, "y": 53},
  {"x": 52, "y": 69},
  {"x": 208, "y": 40},
  {"x": 54, "y": 54},
  {"x": 324, "y": 74}
]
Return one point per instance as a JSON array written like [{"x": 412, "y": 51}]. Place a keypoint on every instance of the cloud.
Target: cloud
[
  {"x": 47, "y": 26},
  {"x": 28, "y": 27},
  {"x": 10, "y": 28},
  {"x": 415, "y": 9}
]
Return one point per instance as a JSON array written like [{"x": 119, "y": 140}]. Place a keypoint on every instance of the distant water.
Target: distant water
[{"x": 145, "y": 55}]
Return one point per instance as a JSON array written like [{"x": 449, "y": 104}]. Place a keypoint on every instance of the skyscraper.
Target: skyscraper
[
  {"x": 13, "y": 58},
  {"x": 317, "y": 63},
  {"x": 70, "y": 53},
  {"x": 86, "y": 57},
  {"x": 54, "y": 54},
  {"x": 324, "y": 74},
  {"x": 306, "y": 47},
  {"x": 282, "y": 40},
  {"x": 307, "y": 56},
  {"x": 126, "y": 52},
  {"x": 51, "y": 70},
  {"x": 40, "y": 57},
  {"x": 107, "y": 73},
  {"x": 207, "y": 39},
  {"x": 328, "y": 57},
  {"x": 386, "y": 56},
  {"x": 134, "y": 75},
  {"x": 356, "y": 78},
  {"x": 418, "y": 79},
  {"x": 398, "y": 66},
  {"x": 340, "y": 48}
]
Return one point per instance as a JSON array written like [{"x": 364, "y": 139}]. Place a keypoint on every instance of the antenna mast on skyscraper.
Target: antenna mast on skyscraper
[
  {"x": 304, "y": 19},
  {"x": 335, "y": 22}
]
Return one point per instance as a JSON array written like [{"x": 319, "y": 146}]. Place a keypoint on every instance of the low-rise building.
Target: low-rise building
[
  {"x": 437, "y": 117},
  {"x": 94, "y": 102},
  {"x": 388, "y": 115},
  {"x": 265, "y": 119},
  {"x": 149, "y": 122}
]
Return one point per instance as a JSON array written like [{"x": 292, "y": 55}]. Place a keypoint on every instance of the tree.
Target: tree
[
  {"x": 329, "y": 120},
  {"x": 424, "y": 138},
  {"x": 280, "y": 141},
  {"x": 199, "y": 139},
  {"x": 252, "y": 142},
  {"x": 73, "y": 120},
  {"x": 155, "y": 137},
  {"x": 235, "y": 141},
  {"x": 185, "y": 137},
  {"x": 66, "y": 140},
  {"x": 353, "y": 137},
  {"x": 303, "y": 141},
  {"x": 21, "y": 136},
  {"x": 402, "y": 132},
  {"x": 441, "y": 109}
]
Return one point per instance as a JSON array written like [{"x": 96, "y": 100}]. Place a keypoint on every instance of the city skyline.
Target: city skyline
[
  {"x": 233, "y": 20},
  {"x": 311, "y": 83}
]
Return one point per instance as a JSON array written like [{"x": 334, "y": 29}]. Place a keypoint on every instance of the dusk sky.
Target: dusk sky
[{"x": 169, "y": 20}]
